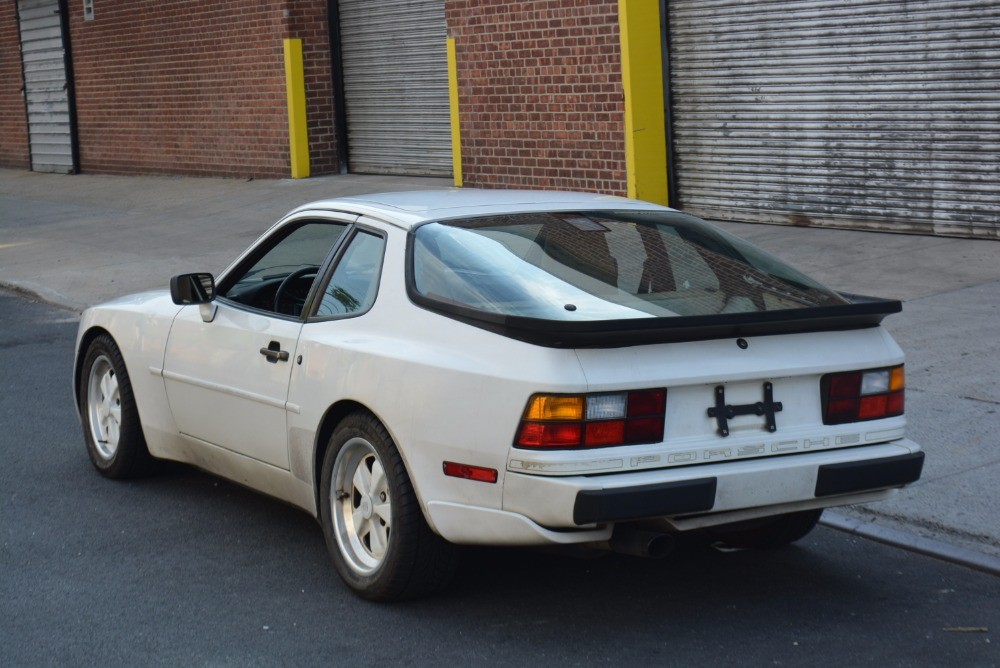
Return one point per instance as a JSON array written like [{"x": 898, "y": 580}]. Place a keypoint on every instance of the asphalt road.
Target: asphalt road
[{"x": 186, "y": 569}]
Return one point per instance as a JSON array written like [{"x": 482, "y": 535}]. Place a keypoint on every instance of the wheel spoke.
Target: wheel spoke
[
  {"x": 106, "y": 387},
  {"x": 378, "y": 539},
  {"x": 116, "y": 414},
  {"x": 112, "y": 433},
  {"x": 378, "y": 481},
  {"x": 362, "y": 479},
  {"x": 358, "y": 518},
  {"x": 384, "y": 510}
]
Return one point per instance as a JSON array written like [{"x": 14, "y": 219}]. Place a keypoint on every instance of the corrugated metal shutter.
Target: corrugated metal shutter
[
  {"x": 45, "y": 86},
  {"x": 847, "y": 113},
  {"x": 395, "y": 66}
]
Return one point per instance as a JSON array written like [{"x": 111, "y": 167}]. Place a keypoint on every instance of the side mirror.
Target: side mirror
[{"x": 192, "y": 289}]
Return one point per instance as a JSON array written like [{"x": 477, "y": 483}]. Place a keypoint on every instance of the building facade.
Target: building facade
[{"x": 859, "y": 114}]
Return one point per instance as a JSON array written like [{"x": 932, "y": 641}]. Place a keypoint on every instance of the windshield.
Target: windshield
[{"x": 604, "y": 265}]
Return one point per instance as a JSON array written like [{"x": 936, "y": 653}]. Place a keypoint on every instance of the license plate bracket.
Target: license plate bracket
[{"x": 723, "y": 412}]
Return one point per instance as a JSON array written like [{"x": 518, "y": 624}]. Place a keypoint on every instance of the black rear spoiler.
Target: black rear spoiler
[{"x": 861, "y": 312}]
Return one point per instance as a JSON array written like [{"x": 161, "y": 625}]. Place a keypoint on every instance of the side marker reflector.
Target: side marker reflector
[{"x": 470, "y": 472}]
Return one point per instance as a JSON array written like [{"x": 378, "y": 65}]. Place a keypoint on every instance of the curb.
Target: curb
[
  {"x": 925, "y": 546},
  {"x": 36, "y": 294}
]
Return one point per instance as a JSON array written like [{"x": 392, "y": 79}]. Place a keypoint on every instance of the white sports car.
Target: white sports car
[{"x": 420, "y": 370}]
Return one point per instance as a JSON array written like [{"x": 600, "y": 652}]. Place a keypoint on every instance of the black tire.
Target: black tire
[
  {"x": 767, "y": 533},
  {"x": 128, "y": 456},
  {"x": 382, "y": 560}
]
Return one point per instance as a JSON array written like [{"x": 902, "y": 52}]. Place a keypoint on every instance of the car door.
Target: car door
[{"x": 227, "y": 379}]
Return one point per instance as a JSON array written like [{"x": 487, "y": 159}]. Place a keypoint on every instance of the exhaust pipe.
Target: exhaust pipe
[{"x": 638, "y": 543}]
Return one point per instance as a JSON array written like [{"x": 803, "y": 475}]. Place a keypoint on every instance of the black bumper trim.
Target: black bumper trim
[
  {"x": 631, "y": 503},
  {"x": 849, "y": 477}
]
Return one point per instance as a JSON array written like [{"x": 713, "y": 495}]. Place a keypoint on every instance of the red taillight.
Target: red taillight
[
  {"x": 896, "y": 403},
  {"x": 863, "y": 395},
  {"x": 644, "y": 430},
  {"x": 648, "y": 402},
  {"x": 611, "y": 432},
  {"x": 845, "y": 385},
  {"x": 593, "y": 420},
  {"x": 550, "y": 435}
]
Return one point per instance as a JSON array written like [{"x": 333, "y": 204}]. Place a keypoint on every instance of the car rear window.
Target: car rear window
[{"x": 603, "y": 265}]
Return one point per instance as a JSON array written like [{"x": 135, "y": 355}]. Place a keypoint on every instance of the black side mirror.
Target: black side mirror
[{"x": 192, "y": 289}]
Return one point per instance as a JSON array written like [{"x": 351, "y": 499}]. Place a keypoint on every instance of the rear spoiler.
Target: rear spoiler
[{"x": 861, "y": 312}]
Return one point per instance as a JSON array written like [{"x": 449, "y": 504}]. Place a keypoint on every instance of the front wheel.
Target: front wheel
[
  {"x": 111, "y": 427},
  {"x": 378, "y": 539}
]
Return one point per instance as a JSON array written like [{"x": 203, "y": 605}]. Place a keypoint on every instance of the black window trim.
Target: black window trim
[{"x": 326, "y": 274}]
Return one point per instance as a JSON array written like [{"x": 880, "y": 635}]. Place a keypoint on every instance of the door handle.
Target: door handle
[{"x": 274, "y": 353}]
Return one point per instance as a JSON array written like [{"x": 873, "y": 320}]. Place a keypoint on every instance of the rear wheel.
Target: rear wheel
[
  {"x": 767, "y": 533},
  {"x": 111, "y": 425},
  {"x": 378, "y": 539}
]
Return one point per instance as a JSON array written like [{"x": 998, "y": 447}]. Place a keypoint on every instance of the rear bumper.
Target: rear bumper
[
  {"x": 547, "y": 509},
  {"x": 847, "y": 477},
  {"x": 682, "y": 497},
  {"x": 686, "y": 497}
]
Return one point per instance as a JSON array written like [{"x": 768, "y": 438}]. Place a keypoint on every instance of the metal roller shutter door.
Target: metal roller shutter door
[
  {"x": 846, "y": 113},
  {"x": 45, "y": 86},
  {"x": 395, "y": 66}
]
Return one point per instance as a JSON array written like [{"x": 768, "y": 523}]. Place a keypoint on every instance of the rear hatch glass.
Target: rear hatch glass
[{"x": 602, "y": 277}]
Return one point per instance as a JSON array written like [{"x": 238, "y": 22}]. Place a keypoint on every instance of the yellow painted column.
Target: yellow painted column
[
  {"x": 642, "y": 81},
  {"x": 298, "y": 129},
  {"x": 456, "y": 130}
]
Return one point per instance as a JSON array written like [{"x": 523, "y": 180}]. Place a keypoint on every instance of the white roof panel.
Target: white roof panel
[{"x": 407, "y": 209}]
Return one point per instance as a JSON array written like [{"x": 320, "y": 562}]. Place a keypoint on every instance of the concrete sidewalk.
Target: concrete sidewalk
[{"x": 77, "y": 240}]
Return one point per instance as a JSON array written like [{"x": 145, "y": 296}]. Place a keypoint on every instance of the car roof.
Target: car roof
[{"x": 410, "y": 208}]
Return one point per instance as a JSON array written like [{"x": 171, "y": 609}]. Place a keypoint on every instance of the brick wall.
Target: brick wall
[
  {"x": 195, "y": 87},
  {"x": 540, "y": 94},
  {"x": 308, "y": 22},
  {"x": 13, "y": 120}
]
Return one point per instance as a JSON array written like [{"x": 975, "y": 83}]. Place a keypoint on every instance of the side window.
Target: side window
[
  {"x": 279, "y": 280},
  {"x": 354, "y": 283}
]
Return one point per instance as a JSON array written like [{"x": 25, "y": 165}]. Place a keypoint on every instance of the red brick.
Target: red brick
[
  {"x": 540, "y": 97},
  {"x": 195, "y": 87},
  {"x": 14, "y": 152}
]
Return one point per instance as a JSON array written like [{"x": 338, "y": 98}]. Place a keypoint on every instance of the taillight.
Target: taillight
[
  {"x": 553, "y": 421},
  {"x": 863, "y": 395}
]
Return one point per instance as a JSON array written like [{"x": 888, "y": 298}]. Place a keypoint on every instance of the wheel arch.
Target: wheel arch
[
  {"x": 81, "y": 351},
  {"x": 328, "y": 424}
]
